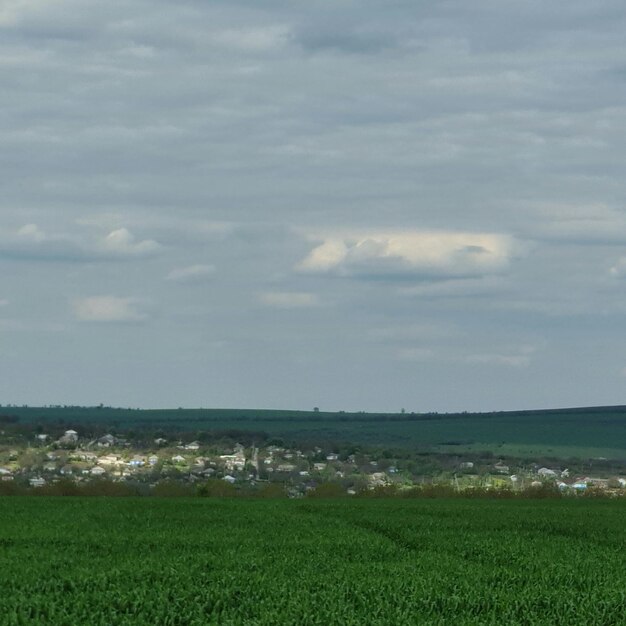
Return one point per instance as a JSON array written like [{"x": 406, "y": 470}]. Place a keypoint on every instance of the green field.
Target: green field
[
  {"x": 151, "y": 561},
  {"x": 583, "y": 433}
]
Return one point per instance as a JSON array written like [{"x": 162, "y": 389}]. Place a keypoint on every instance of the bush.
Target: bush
[{"x": 326, "y": 490}]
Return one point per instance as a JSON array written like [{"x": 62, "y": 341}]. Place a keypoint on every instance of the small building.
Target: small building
[
  {"x": 286, "y": 467},
  {"x": 544, "y": 472},
  {"x": 110, "y": 459},
  {"x": 98, "y": 471},
  {"x": 178, "y": 459},
  {"x": 69, "y": 437},
  {"x": 37, "y": 482}
]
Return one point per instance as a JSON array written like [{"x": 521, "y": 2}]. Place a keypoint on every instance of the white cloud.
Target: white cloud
[
  {"x": 426, "y": 253},
  {"x": 108, "y": 309},
  {"x": 191, "y": 274},
  {"x": 31, "y": 242},
  {"x": 122, "y": 243},
  {"x": 619, "y": 269},
  {"x": 288, "y": 299}
]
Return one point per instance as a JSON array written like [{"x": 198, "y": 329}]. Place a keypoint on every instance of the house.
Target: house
[
  {"x": 235, "y": 461},
  {"x": 319, "y": 467},
  {"x": 110, "y": 459},
  {"x": 501, "y": 468},
  {"x": 69, "y": 437},
  {"x": 160, "y": 441},
  {"x": 106, "y": 442},
  {"x": 153, "y": 459},
  {"x": 286, "y": 467},
  {"x": 466, "y": 465},
  {"x": 544, "y": 472},
  {"x": 194, "y": 445},
  {"x": 98, "y": 471},
  {"x": 229, "y": 479},
  {"x": 42, "y": 437},
  {"x": 332, "y": 457},
  {"x": 377, "y": 479},
  {"x": 50, "y": 467},
  {"x": 37, "y": 482},
  {"x": 5, "y": 472},
  {"x": 178, "y": 459},
  {"x": 138, "y": 461}
]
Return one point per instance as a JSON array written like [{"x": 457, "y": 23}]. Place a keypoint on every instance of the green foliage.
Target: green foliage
[
  {"x": 136, "y": 561},
  {"x": 217, "y": 489},
  {"x": 589, "y": 432},
  {"x": 327, "y": 490}
]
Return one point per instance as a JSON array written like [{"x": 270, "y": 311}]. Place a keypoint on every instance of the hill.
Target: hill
[{"x": 573, "y": 432}]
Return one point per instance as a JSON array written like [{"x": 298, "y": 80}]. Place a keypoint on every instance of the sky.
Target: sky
[{"x": 349, "y": 204}]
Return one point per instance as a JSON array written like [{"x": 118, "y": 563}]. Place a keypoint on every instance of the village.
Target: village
[{"x": 39, "y": 459}]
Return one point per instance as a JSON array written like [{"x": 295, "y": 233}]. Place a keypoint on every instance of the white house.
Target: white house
[
  {"x": 544, "y": 472},
  {"x": 98, "y": 471}
]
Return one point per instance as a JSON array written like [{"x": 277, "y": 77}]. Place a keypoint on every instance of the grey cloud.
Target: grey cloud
[{"x": 289, "y": 145}]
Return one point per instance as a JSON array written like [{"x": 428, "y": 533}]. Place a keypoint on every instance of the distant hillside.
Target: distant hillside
[{"x": 589, "y": 431}]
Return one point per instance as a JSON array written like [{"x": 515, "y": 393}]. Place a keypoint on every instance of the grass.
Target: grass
[{"x": 211, "y": 561}]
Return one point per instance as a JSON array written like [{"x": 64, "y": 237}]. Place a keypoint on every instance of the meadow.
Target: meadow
[
  {"x": 560, "y": 433},
  {"x": 199, "y": 561}
]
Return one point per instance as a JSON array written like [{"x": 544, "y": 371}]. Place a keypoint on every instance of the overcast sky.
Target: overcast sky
[{"x": 358, "y": 205}]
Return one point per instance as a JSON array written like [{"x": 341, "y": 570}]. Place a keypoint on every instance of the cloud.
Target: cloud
[
  {"x": 191, "y": 274},
  {"x": 30, "y": 242},
  {"x": 456, "y": 288},
  {"x": 619, "y": 269},
  {"x": 121, "y": 243},
  {"x": 257, "y": 39},
  {"x": 508, "y": 360},
  {"x": 516, "y": 358},
  {"x": 343, "y": 38},
  {"x": 107, "y": 309},
  {"x": 288, "y": 299},
  {"x": 411, "y": 253}
]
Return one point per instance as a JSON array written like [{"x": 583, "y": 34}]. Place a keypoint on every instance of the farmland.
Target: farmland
[
  {"x": 215, "y": 561},
  {"x": 564, "y": 433}
]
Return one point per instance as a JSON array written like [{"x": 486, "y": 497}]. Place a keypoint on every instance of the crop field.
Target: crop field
[
  {"x": 582, "y": 433},
  {"x": 209, "y": 561}
]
